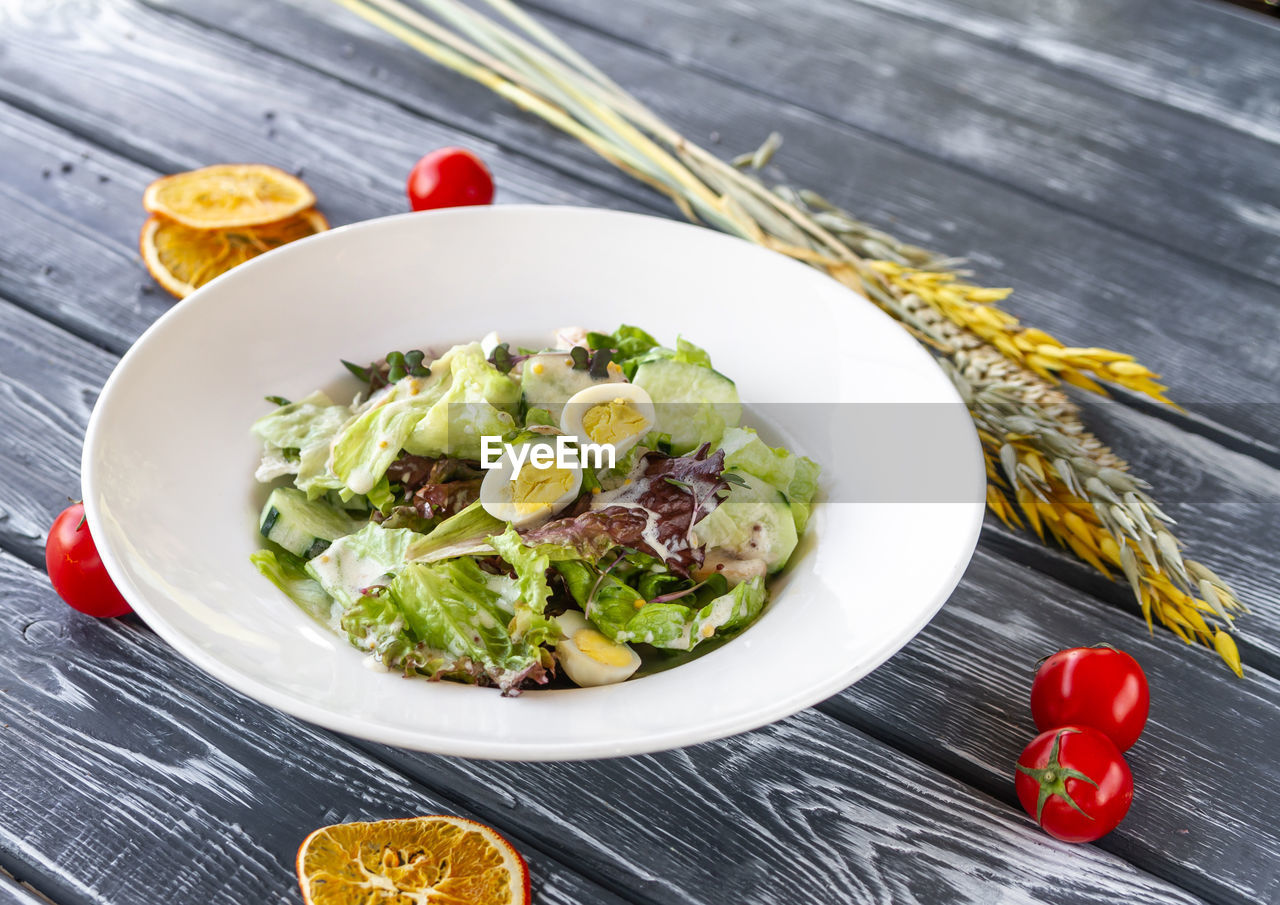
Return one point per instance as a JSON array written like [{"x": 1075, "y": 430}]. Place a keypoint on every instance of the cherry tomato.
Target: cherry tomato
[
  {"x": 449, "y": 177},
  {"x": 1099, "y": 687},
  {"x": 76, "y": 570},
  {"x": 1074, "y": 781}
]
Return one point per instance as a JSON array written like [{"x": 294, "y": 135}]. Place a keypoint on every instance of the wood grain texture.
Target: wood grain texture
[
  {"x": 196, "y": 791},
  {"x": 69, "y": 237},
  {"x": 1205, "y": 58},
  {"x": 37, "y": 245},
  {"x": 805, "y": 810},
  {"x": 1076, "y": 278},
  {"x": 157, "y": 90},
  {"x": 646, "y": 796},
  {"x": 103, "y": 215},
  {"x": 1227, "y": 504},
  {"x": 13, "y": 892},
  {"x": 204, "y": 767},
  {"x": 1146, "y": 168},
  {"x": 131, "y": 778},
  {"x": 1207, "y": 781},
  {"x": 48, "y": 383}
]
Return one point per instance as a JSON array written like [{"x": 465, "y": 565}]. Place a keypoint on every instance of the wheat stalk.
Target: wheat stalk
[{"x": 1044, "y": 467}]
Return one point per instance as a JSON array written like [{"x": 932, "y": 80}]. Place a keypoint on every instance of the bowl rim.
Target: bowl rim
[{"x": 443, "y": 742}]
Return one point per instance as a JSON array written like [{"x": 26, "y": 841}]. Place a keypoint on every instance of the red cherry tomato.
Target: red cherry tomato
[
  {"x": 449, "y": 177},
  {"x": 1099, "y": 687},
  {"x": 1074, "y": 781},
  {"x": 76, "y": 570}
]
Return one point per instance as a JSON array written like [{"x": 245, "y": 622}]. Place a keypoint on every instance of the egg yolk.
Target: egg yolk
[
  {"x": 538, "y": 488},
  {"x": 611, "y": 422},
  {"x": 599, "y": 648}
]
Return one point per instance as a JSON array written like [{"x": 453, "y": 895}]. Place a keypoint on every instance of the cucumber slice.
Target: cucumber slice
[
  {"x": 303, "y": 527},
  {"x": 694, "y": 404},
  {"x": 753, "y": 522}
]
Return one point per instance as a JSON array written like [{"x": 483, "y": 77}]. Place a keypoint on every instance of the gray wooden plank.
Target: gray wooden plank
[
  {"x": 108, "y": 668},
  {"x": 1205, "y": 58},
  {"x": 76, "y": 206},
  {"x": 970, "y": 674},
  {"x": 906, "y": 881},
  {"x": 1206, "y": 782},
  {"x": 75, "y": 217},
  {"x": 805, "y": 810},
  {"x": 207, "y": 795},
  {"x": 49, "y": 381},
  {"x": 181, "y": 99},
  {"x": 38, "y": 238},
  {"x": 132, "y": 778},
  {"x": 13, "y": 892},
  {"x": 68, "y": 240},
  {"x": 1200, "y": 187},
  {"x": 38, "y": 493},
  {"x": 1227, "y": 504},
  {"x": 1075, "y": 277}
]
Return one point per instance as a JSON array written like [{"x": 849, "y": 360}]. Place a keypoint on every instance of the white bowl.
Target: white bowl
[{"x": 171, "y": 500}]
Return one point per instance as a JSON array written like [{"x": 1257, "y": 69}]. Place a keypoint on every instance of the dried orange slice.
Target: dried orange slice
[
  {"x": 228, "y": 195},
  {"x": 418, "y": 859},
  {"x": 183, "y": 259}
]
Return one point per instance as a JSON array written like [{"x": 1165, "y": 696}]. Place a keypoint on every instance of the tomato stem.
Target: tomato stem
[{"x": 1053, "y": 776}]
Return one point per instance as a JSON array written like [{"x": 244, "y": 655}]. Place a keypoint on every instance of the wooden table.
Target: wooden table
[{"x": 1117, "y": 161}]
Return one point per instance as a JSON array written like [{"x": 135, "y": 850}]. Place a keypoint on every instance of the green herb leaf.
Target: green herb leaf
[
  {"x": 413, "y": 363},
  {"x": 600, "y": 364},
  {"x": 358, "y": 372},
  {"x": 501, "y": 358}
]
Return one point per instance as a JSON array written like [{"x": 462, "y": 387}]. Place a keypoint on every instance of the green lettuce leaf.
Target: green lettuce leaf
[
  {"x": 680, "y": 624},
  {"x": 531, "y": 564},
  {"x": 795, "y": 476},
  {"x": 292, "y": 426},
  {"x": 445, "y": 414},
  {"x": 800, "y": 492},
  {"x": 678, "y": 627},
  {"x": 288, "y": 573},
  {"x": 613, "y": 603},
  {"x": 634, "y": 347},
  {"x": 630, "y": 343},
  {"x": 361, "y": 560},
  {"x": 296, "y": 438},
  {"x": 478, "y": 401},
  {"x": 376, "y": 625},
  {"x": 458, "y": 616},
  {"x": 684, "y": 351},
  {"x": 380, "y": 495},
  {"x": 463, "y": 533},
  {"x": 538, "y": 416}
]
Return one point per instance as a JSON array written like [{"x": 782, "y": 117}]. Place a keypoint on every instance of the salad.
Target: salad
[{"x": 580, "y": 514}]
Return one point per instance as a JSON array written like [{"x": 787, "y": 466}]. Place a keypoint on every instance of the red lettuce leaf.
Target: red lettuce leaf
[
  {"x": 653, "y": 512},
  {"x": 436, "y": 487}
]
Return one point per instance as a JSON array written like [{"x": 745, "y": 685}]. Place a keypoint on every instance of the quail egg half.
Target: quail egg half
[
  {"x": 614, "y": 414},
  {"x": 527, "y": 486},
  {"x": 588, "y": 657}
]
